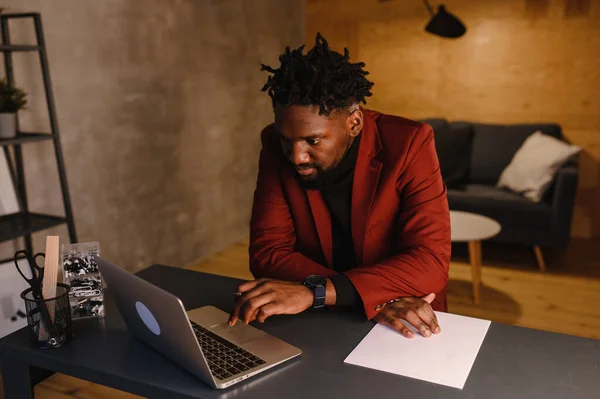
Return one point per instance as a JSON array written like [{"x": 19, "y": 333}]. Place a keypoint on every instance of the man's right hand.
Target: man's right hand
[{"x": 416, "y": 311}]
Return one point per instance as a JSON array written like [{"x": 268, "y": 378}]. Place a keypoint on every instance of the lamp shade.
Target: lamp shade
[{"x": 445, "y": 24}]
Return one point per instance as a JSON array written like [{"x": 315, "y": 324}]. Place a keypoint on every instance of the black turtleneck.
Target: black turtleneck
[{"x": 337, "y": 193}]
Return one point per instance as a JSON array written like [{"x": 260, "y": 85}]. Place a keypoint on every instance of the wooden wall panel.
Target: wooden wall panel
[
  {"x": 520, "y": 61},
  {"x": 577, "y": 8}
]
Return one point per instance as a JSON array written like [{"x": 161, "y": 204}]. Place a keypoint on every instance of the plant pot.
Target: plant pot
[{"x": 8, "y": 125}]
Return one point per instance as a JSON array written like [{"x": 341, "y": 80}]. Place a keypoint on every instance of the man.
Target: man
[{"x": 350, "y": 209}]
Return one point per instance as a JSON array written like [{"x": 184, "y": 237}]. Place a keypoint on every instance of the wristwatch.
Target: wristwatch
[{"x": 317, "y": 285}]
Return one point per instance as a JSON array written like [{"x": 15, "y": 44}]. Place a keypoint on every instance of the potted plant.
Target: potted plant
[{"x": 12, "y": 99}]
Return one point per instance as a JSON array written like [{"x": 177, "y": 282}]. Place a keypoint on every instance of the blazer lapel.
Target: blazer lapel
[
  {"x": 322, "y": 219},
  {"x": 366, "y": 178},
  {"x": 364, "y": 186}
]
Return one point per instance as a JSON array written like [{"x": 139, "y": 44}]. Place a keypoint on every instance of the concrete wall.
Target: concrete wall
[{"x": 160, "y": 110}]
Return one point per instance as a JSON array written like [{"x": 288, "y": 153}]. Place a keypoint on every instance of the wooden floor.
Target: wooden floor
[{"x": 565, "y": 299}]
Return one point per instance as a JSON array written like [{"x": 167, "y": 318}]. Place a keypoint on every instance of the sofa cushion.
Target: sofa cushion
[
  {"x": 453, "y": 143},
  {"x": 454, "y": 153},
  {"x": 535, "y": 164},
  {"x": 495, "y": 145},
  {"x": 439, "y": 125},
  {"x": 502, "y": 205}
]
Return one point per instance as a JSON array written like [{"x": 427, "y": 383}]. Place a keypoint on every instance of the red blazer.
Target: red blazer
[{"x": 399, "y": 216}]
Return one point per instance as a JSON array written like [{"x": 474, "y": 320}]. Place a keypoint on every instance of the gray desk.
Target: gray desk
[{"x": 512, "y": 363}]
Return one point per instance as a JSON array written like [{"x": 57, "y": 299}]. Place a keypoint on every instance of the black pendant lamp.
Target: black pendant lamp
[{"x": 443, "y": 23}]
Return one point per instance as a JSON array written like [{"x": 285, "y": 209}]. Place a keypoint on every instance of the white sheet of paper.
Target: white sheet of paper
[
  {"x": 11, "y": 286},
  {"x": 445, "y": 358},
  {"x": 8, "y": 196}
]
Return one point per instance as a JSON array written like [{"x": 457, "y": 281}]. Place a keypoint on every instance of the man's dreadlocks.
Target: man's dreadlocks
[{"x": 322, "y": 77}]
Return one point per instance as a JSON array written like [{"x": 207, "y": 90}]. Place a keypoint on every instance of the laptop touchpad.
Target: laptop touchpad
[{"x": 239, "y": 334}]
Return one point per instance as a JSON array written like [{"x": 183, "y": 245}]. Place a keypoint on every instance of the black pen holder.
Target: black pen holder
[{"x": 49, "y": 320}]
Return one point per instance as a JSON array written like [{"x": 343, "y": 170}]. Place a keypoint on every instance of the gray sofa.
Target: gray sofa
[{"x": 472, "y": 158}]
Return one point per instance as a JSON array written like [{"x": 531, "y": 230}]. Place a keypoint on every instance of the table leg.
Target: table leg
[
  {"x": 16, "y": 378},
  {"x": 475, "y": 258}
]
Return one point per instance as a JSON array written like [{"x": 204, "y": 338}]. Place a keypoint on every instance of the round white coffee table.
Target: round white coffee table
[{"x": 473, "y": 228}]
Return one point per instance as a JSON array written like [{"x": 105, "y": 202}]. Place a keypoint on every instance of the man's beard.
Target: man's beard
[
  {"x": 325, "y": 178},
  {"x": 322, "y": 178}
]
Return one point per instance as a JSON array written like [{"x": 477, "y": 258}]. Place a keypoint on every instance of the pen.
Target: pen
[{"x": 237, "y": 293}]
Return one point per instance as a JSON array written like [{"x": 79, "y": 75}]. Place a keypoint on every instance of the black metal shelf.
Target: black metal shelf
[
  {"x": 20, "y": 224},
  {"x": 18, "y": 47},
  {"x": 24, "y": 223},
  {"x": 20, "y": 15},
  {"x": 23, "y": 137}
]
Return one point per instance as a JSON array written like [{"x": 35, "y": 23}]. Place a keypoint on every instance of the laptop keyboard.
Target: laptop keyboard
[{"x": 224, "y": 358}]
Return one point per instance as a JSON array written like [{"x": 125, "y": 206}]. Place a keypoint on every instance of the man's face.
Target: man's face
[{"x": 315, "y": 143}]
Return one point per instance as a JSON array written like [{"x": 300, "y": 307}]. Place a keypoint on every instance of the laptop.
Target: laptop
[{"x": 199, "y": 340}]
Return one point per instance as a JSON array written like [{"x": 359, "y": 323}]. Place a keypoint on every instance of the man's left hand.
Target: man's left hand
[
  {"x": 416, "y": 311},
  {"x": 266, "y": 297}
]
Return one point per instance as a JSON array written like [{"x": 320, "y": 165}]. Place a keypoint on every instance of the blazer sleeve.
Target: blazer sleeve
[
  {"x": 272, "y": 232},
  {"x": 422, "y": 243}
]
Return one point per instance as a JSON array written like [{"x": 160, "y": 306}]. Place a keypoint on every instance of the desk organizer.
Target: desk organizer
[
  {"x": 81, "y": 272},
  {"x": 48, "y": 320}
]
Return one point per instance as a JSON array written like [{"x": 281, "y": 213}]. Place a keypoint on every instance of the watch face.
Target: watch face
[{"x": 315, "y": 280}]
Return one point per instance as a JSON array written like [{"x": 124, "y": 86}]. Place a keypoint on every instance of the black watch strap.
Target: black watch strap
[
  {"x": 317, "y": 285},
  {"x": 319, "y": 300}
]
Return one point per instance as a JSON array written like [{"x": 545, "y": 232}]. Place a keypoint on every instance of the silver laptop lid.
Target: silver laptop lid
[{"x": 157, "y": 318}]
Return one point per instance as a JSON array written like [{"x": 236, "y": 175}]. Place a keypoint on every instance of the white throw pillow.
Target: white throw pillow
[{"x": 534, "y": 165}]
